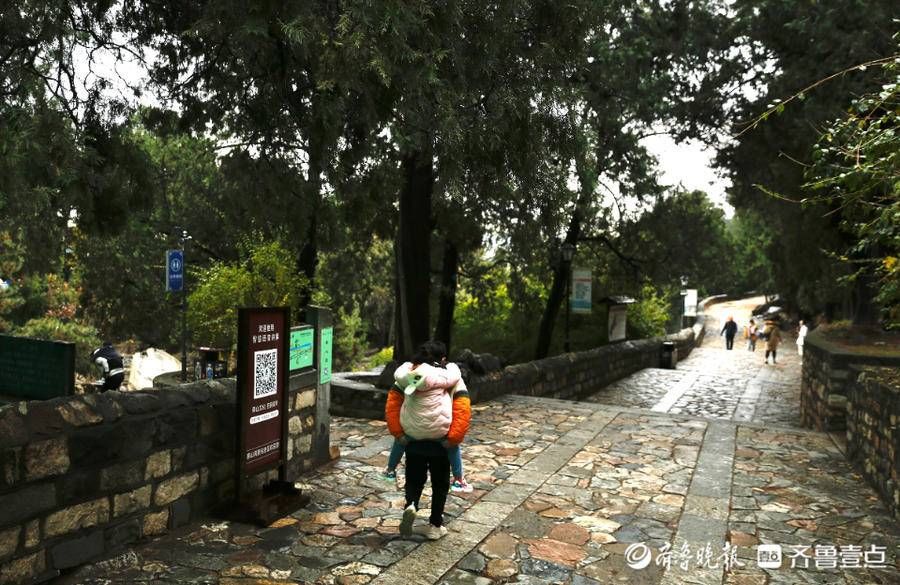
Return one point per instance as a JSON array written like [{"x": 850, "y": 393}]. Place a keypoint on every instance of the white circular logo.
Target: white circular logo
[
  {"x": 175, "y": 264},
  {"x": 638, "y": 555}
]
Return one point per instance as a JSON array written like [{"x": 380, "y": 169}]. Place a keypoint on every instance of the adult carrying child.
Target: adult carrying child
[{"x": 428, "y": 413}]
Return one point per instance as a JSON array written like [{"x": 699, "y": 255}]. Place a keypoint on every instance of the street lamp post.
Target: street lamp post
[
  {"x": 568, "y": 252},
  {"x": 184, "y": 238}
]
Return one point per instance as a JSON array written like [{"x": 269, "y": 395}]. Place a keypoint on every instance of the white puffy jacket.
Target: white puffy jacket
[{"x": 426, "y": 414}]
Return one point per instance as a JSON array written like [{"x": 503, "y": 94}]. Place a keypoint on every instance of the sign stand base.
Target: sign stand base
[{"x": 276, "y": 500}]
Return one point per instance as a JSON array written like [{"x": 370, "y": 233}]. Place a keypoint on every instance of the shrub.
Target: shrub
[
  {"x": 349, "y": 338},
  {"x": 382, "y": 357},
  {"x": 649, "y": 315},
  {"x": 84, "y": 337},
  {"x": 264, "y": 277}
]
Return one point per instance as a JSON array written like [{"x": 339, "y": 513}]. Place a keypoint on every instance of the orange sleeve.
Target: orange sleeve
[
  {"x": 392, "y": 412},
  {"x": 462, "y": 412}
]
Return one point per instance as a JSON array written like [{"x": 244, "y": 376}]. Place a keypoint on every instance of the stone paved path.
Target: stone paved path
[
  {"x": 577, "y": 494},
  {"x": 716, "y": 383}
]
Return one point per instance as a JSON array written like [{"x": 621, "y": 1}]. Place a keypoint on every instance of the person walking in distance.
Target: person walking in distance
[
  {"x": 729, "y": 330},
  {"x": 428, "y": 420},
  {"x": 773, "y": 338},
  {"x": 801, "y": 337},
  {"x": 752, "y": 334}
]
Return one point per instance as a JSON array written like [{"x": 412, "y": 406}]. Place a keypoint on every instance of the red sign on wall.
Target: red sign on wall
[{"x": 262, "y": 387}]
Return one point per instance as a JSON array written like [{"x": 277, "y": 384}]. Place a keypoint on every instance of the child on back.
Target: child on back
[{"x": 429, "y": 385}]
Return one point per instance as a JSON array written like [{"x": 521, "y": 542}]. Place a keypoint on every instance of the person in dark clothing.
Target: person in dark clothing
[
  {"x": 112, "y": 365},
  {"x": 729, "y": 330}
]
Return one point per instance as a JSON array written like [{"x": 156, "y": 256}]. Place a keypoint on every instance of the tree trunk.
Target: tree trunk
[
  {"x": 308, "y": 259},
  {"x": 561, "y": 269},
  {"x": 447, "y": 299},
  {"x": 551, "y": 310},
  {"x": 864, "y": 309},
  {"x": 413, "y": 253},
  {"x": 557, "y": 294}
]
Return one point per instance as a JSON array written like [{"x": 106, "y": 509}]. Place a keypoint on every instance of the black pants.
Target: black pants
[
  {"x": 113, "y": 382},
  {"x": 417, "y": 468},
  {"x": 729, "y": 341},
  {"x": 772, "y": 351}
]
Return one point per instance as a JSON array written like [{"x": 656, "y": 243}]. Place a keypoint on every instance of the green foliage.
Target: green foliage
[
  {"x": 484, "y": 317},
  {"x": 382, "y": 357},
  {"x": 84, "y": 337},
  {"x": 359, "y": 279},
  {"x": 264, "y": 277},
  {"x": 349, "y": 339},
  {"x": 123, "y": 278},
  {"x": 42, "y": 306},
  {"x": 792, "y": 46},
  {"x": 496, "y": 312},
  {"x": 751, "y": 238},
  {"x": 296, "y": 121},
  {"x": 649, "y": 315},
  {"x": 857, "y": 165},
  {"x": 12, "y": 257},
  {"x": 683, "y": 235}
]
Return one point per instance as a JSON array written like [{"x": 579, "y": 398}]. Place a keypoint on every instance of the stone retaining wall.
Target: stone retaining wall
[
  {"x": 84, "y": 476},
  {"x": 826, "y": 380},
  {"x": 873, "y": 438},
  {"x": 569, "y": 376}
]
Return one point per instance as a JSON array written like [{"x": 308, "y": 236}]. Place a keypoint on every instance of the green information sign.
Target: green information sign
[
  {"x": 325, "y": 355},
  {"x": 302, "y": 348},
  {"x": 34, "y": 369}
]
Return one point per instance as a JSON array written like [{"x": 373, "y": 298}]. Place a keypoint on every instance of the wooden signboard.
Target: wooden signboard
[{"x": 262, "y": 388}]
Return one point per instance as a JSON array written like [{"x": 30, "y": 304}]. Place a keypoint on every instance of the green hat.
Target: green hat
[{"x": 411, "y": 383}]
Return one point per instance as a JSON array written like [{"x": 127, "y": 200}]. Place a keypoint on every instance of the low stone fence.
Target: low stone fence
[
  {"x": 873, "y": 437},
  {"x": 826, "y": 380},
  {"x": 84, "y": 476},
  {"x": 568, "y": 376}
]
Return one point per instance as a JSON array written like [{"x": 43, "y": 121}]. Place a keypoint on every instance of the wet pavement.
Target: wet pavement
[
  {"x": 714, "y": 382},
  {"x": 666, "y": 477}
]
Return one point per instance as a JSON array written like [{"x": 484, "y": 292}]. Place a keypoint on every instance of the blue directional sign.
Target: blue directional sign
[{"x": 174, "y": 270}]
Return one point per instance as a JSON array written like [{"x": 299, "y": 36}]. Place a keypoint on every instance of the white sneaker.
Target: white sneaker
[
  {"x": 460, "y": 485},
  {"x": 430, "y": 531},
  {"x": 409, "y": 516}
]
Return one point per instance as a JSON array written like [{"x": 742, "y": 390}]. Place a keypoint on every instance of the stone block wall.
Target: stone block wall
[
  {"x": 826, "y": 379},
  {"x": 569, "y": 376},
  {"x": 356, "y": 396},
  {"x": 873, "y": 437},
  {"x": 84, "y": 476}
]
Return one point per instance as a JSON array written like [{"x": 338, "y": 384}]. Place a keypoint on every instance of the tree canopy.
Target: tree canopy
[
  {"x": 796, "y": 45},
  {"x": 417, "y": 165}
]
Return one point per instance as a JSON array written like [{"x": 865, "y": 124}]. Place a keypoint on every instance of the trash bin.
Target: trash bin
[{"x": 669, "y": 358}]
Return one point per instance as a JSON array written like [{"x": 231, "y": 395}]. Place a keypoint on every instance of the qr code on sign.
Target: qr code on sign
[{"x": 265, "y": 373}]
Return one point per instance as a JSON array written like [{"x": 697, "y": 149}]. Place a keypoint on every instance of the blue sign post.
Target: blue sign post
[
  {"x": 174, "y": 270},
  {"x": 175, "y": 283}
]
